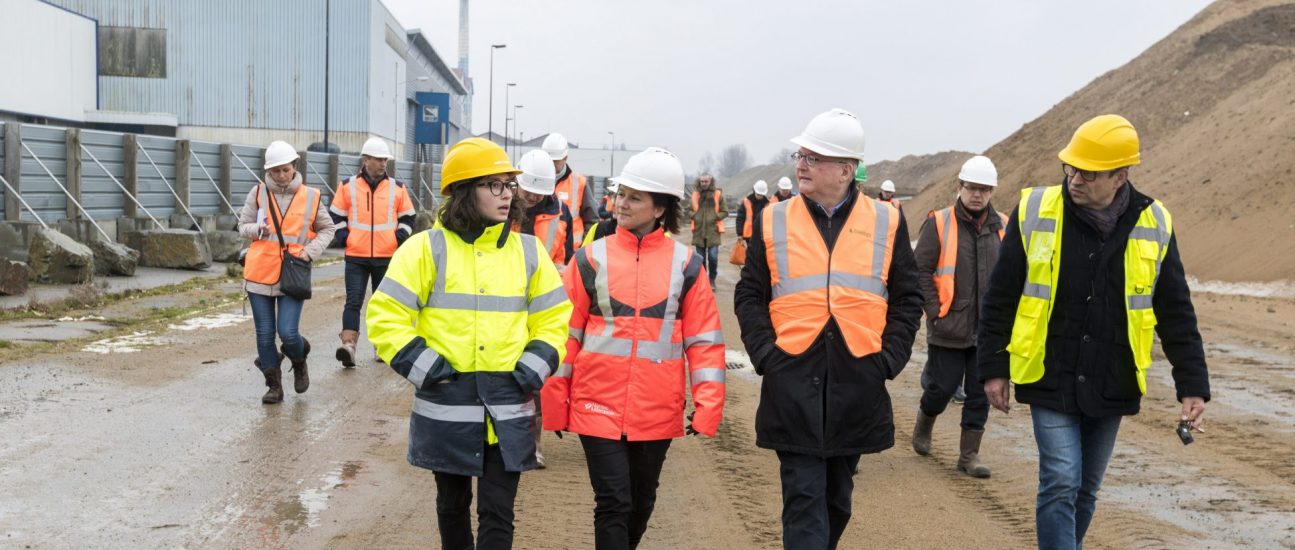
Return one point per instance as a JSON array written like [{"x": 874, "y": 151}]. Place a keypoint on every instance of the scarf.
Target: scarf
[{"x": 1104, "y": 219}]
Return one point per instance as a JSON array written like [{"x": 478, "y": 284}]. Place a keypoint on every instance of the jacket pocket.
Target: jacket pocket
[
  {"x": 1121, "y": 379},
  {"x": 954, "y": 323}
]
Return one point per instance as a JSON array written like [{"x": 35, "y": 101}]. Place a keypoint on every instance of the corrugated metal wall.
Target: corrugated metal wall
[
  {"x": 317, "y": 175},
  {"x": 204, "y": 178},
  {"x": 100, "y": 195},
  {"x": 156, "y": 178},
  {"x": 245, "y": 175},
  {"x": 41, "y": 192},
  {"x": 228, "y": 65},
  {"x": 3, "y": 189}
]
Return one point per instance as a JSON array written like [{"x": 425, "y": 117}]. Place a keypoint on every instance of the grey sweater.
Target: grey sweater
[{"x": 249, "y": 228}]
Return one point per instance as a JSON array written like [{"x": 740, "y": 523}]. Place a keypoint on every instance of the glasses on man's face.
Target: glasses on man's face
[
  {"x": 497, "y": 186},
  {"x": 1086, "y": 175},
  {"x": 811, "y": 160},
  {"x": 978, "y": 189}
]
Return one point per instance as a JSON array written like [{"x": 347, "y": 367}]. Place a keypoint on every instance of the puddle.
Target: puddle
[
  {"x": 220, "y": 320},
  {"x": 1262, "y": 386},
  {"x": 303, "y": 510},
  {"x": 1274, "y": 289},
  {"x": 79, "y": 319},
  {"x": 130, "y": 343}
]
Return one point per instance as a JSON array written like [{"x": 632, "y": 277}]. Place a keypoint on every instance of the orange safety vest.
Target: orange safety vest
[
  {"x": 812, "y": 285},
  {"x": 372, "y": 215},
  {"x": 948, "y": 240},
  {"x": 750, "y": 213},
  {"x": 644, "y": 330},
  {"x": 265, "y": 256},
  {"x": 696, "y": 200},
  {"x": 553, "y": 233},
  {"x": 571, "y": 190}
]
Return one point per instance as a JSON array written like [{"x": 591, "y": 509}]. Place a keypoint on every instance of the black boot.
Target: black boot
[
  {"x": 274, "y": 381},
  {"x": 300, "y": 375}
]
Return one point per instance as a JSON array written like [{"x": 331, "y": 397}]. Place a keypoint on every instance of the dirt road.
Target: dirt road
[{"x": 169, "y": 446}]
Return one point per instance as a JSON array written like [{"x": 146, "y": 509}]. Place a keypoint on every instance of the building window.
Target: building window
[{"x": 132, "y": 51}]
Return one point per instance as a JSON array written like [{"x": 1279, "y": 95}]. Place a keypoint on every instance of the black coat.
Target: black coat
[
  {"x": 826, "y": 402},
  {"x": 1088, "y": 364},
  {"x": 758, "y": 202}
]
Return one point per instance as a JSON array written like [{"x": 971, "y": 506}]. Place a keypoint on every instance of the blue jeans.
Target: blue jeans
[
  {"x": 710, "y": 259},
  {"x": 1073, "y": 453},
  {"x": 288, "y": 318}
]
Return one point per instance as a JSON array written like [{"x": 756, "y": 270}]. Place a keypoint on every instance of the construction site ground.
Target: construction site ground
[{"x": 168, "y": 445}]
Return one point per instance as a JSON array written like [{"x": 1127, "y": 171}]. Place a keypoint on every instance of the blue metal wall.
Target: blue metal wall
[
  {"x": 204, "y": 178},
  {"x": 38, "y": 189},
  {"x": 229, "y": 64},
  {"x": 100, "y": 195}
]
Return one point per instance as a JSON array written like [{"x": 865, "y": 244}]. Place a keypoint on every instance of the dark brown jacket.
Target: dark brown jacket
[{"x": 977, "y": 252}]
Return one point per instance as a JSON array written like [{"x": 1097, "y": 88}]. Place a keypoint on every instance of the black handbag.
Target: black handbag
[{"x": 294, "y": 273}]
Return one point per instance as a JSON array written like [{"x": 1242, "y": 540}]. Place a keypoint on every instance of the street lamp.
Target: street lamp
[
  {"x": 395, "y": 100},
  {"x": 491, "y": 109},
  {"x": 612, "y": 169},
  {"x": 515, "y": 128},
  {"x": 506, "y": 88}
]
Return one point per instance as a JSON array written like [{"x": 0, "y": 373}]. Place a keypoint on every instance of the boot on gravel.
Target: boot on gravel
[
  {"x": 346, "y": 351},
  {"x": 300, "y": 375},
  {"x": 969, "y": 454},
  {"x": 273, "y": 380},
  {"x": 922, "y": 433}
]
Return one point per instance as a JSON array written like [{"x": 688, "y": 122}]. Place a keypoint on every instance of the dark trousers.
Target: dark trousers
[
  {"x": 358, "y": 272},
  {"x": 496, "y": 491},
  {"x": 625, "y": 476},
  {"x": 815, "y": 499},
  {"x": 710, "y": 260},
  {"x": 946, "y": 368}
]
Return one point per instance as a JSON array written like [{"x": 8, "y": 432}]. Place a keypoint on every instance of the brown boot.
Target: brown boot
[
  {"x": 274, "y": 381},
  {"x": 969, "y": 455},
  {"x": 300, "y": 376},
  {"x": 922, "y": 433},
  {"x": 346, "y": 351}
]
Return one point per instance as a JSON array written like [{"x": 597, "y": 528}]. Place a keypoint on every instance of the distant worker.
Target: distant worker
[
  {"x": 629, "y": 368},
  {"x": 282, "y": 214},
  {"x": 545, "y": 216},
  {"x": 826, "y": 330},
  {"x": 956, "y": 251},
  {"x": 1088, "y": 275},
  {"x": 573, "y": 188},
  {"x": 708, "y": 215},
  {"x": 475, "y": 317},
  {"x": 784, "y": 190},
  {"x": 604, "y": 209},
  {"x": 605, "y": 227},
  {"x": 861, "y": 176},
  {"x": 373, "y": 215},
  {"x": 752, "y": 205},
  {"x": 887, "y": 193}
]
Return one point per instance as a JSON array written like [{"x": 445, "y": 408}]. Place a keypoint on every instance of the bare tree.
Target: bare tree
[
  {"x": 732, "y": 160},
  {"x": 782, "y": 157},
  {"x": 706, "y": 164}
]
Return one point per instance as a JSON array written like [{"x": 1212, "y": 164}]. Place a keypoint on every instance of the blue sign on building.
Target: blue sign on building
[{"x": 433, "y": 115}]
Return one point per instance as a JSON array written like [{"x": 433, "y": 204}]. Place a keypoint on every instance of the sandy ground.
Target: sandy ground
[{"x": 169, "y": 446}]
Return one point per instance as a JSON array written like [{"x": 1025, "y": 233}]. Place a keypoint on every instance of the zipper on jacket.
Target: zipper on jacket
[
  {"x": 638, "y": 255},
  {"x": 372, "y": 222}
]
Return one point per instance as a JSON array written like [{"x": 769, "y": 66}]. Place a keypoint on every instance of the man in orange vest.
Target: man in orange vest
[
  {"x": 956, "y": 251},
  {"x": 887, "y": 193},
  {"x": 829, "y": 305},
  {"x": 572, "y": 188},
  {"x": 373, "y": 215},
  {"x": 708, "y": 215},
  {"x": 752, "y": 206}
]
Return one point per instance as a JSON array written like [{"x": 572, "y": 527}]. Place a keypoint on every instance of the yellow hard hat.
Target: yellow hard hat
[
  {"x": 473, "y": 158},
  {"x": 1106, "y": 142}
]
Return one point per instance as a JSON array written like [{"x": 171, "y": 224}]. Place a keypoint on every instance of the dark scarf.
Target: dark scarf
[{"x": 1104, "y": 219}]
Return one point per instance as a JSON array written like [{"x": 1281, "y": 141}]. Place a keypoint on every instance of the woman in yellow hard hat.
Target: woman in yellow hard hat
[{"x": 475, "y": 316}]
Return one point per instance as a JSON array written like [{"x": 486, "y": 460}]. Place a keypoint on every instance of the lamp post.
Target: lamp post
[
  {"x": 507, "y": 86},
  {"x": 611, "y": 170},
  {"x": 395, "y": 100},
  {"x": 491, "y": 110},
  {"x": 515, "y": 128}
]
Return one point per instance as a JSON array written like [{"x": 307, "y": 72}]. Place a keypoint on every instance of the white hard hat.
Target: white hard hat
[
  {"x": 979, "y": 169},
  {"x": 655, "y": 170},
  {"x": 761, "y": 188},
  {"x": 376, "y": 148},
  {"x": 556, "y": 146},
  {"x": 784, "y": 183},
  {"x": 888, "y": 186},
  {"x": 836, "y": 133},
  {"x": 279, "y": 153},
  {"x": 538, "y": 175}
]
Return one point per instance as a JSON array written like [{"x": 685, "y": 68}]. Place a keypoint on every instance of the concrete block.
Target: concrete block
[
  {"x": 14, "y": 277},
  {"x": 113, "y": 258},
  {"x": 225, "y": 245},
  {"x": 56, "y": 258},
  {"x": 172, "y": 248}
]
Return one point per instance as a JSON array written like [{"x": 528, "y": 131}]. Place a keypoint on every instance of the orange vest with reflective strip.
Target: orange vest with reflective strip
[
  {"x": 553, "y": 234},
  {"x": 372, "y": 215},
  {"x": 696, "y": 201},
  {"x": 750, "y": 216},
  {"x": 812, "y": 285},
  {"x": 574, "y": 187},
  {"x": 265, "y": 255},
  {"x": 944, "y": 268}
]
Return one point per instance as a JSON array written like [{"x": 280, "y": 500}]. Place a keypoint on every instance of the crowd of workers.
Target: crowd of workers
[{"x": 520, "y": 300}]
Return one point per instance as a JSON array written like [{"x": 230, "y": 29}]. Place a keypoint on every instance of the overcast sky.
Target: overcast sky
[{"x": 698, "y": 75}]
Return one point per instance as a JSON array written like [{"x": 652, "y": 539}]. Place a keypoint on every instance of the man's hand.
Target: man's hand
[
  {"x": 1194, "y": 411},
  {"x": 1000, "y": 394}
]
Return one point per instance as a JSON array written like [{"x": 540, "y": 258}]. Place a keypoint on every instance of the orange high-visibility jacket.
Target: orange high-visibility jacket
[
  {"x": 571, "y": 192},
  {"x": 265, "y": 256},
  {"x": 948, "y": 239},
  {"x": 696, "y": 201},
  {"x": 371, "y": 216},
  {"x": 812, "y": 285},
  {"x": 552, "y": 229},
  {"x": 643, "y": 330}
]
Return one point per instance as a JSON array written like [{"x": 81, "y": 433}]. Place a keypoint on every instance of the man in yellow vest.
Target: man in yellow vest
[
  {"x": 1086, "y": 271},
  {"x": 828, "y": 304},
  {"x": 956, "y": 250}
]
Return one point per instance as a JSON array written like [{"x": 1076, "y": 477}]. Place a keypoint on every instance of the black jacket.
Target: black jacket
[
  {"x": 977, "y": 252},
  {"x": 758, "y": 202},
  {"x": 826, "y": 402},
  {"x": 1088, "y": 364}
]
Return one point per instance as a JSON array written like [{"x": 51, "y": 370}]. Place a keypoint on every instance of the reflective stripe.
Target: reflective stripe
[
  {"x": 539, "y": 366},
  {"x": 404, "y": 213},
  {"x": 355, "y": 205},
  {"x": 872, "y": 284},
  {"x": 399, "y": 293},
  {"x": 707, "y": 375},
  {"x": 1140, "y": 301},
  {"x": 602, "y": 295},
  {"x": 422, "y": 364},
  {"x": 552, "y": 298},
  {"x": 340, "y": 225},
  {"x": 552, "y": 233},
  {"x": 436, "y": 242},
  {"x": 1036, "y": 290},
  {"x": 341, "y": 213},
  {"x": 1163, "y": 238},
  {"x": 880, "y": 244},
  {"x": 609, "y": 345},
  {"x": 705, "y": 339},
  {"x": 945, "y": 271},
  {"x": 780, "y": 243},
  {"x": 449, "y": 413},
  {"x": 838, "y": 279},
  {"x": 1145, "y": 234},
  {"x": 532, "y": 261},
  {"x": 947, "y": 214},
  {"x": 407, "y": 229},
  {"x": 564, "y": 371},
  {"x": 509, "y": 412},
  {"x": 308, "y": 216},
  {"x": 578, "y": 334},
  {"x": 477, "y": 302},
  {"x": 660, "y": 351},
  {"x": 1030, "y": 222}
]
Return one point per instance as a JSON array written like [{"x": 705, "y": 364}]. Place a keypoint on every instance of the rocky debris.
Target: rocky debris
[
  {"x": 14, "y": 277},
  {"x": 55, "y": 258},
  {"x": 171, "y": 248},
  {"x": 225, "y": 245},
  {"x": 113, "y": 258}
]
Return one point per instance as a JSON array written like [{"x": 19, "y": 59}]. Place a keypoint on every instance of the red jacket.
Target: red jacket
[{"x": 641, "y": 308}]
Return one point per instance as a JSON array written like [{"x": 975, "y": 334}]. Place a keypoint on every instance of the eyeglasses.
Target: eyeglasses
[
  {"x": 977, "y": 189},
  {"x": 1086, "y": 175},
  {"x": 812, "y": 160},
  {"x": 497, "y": 186}
]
